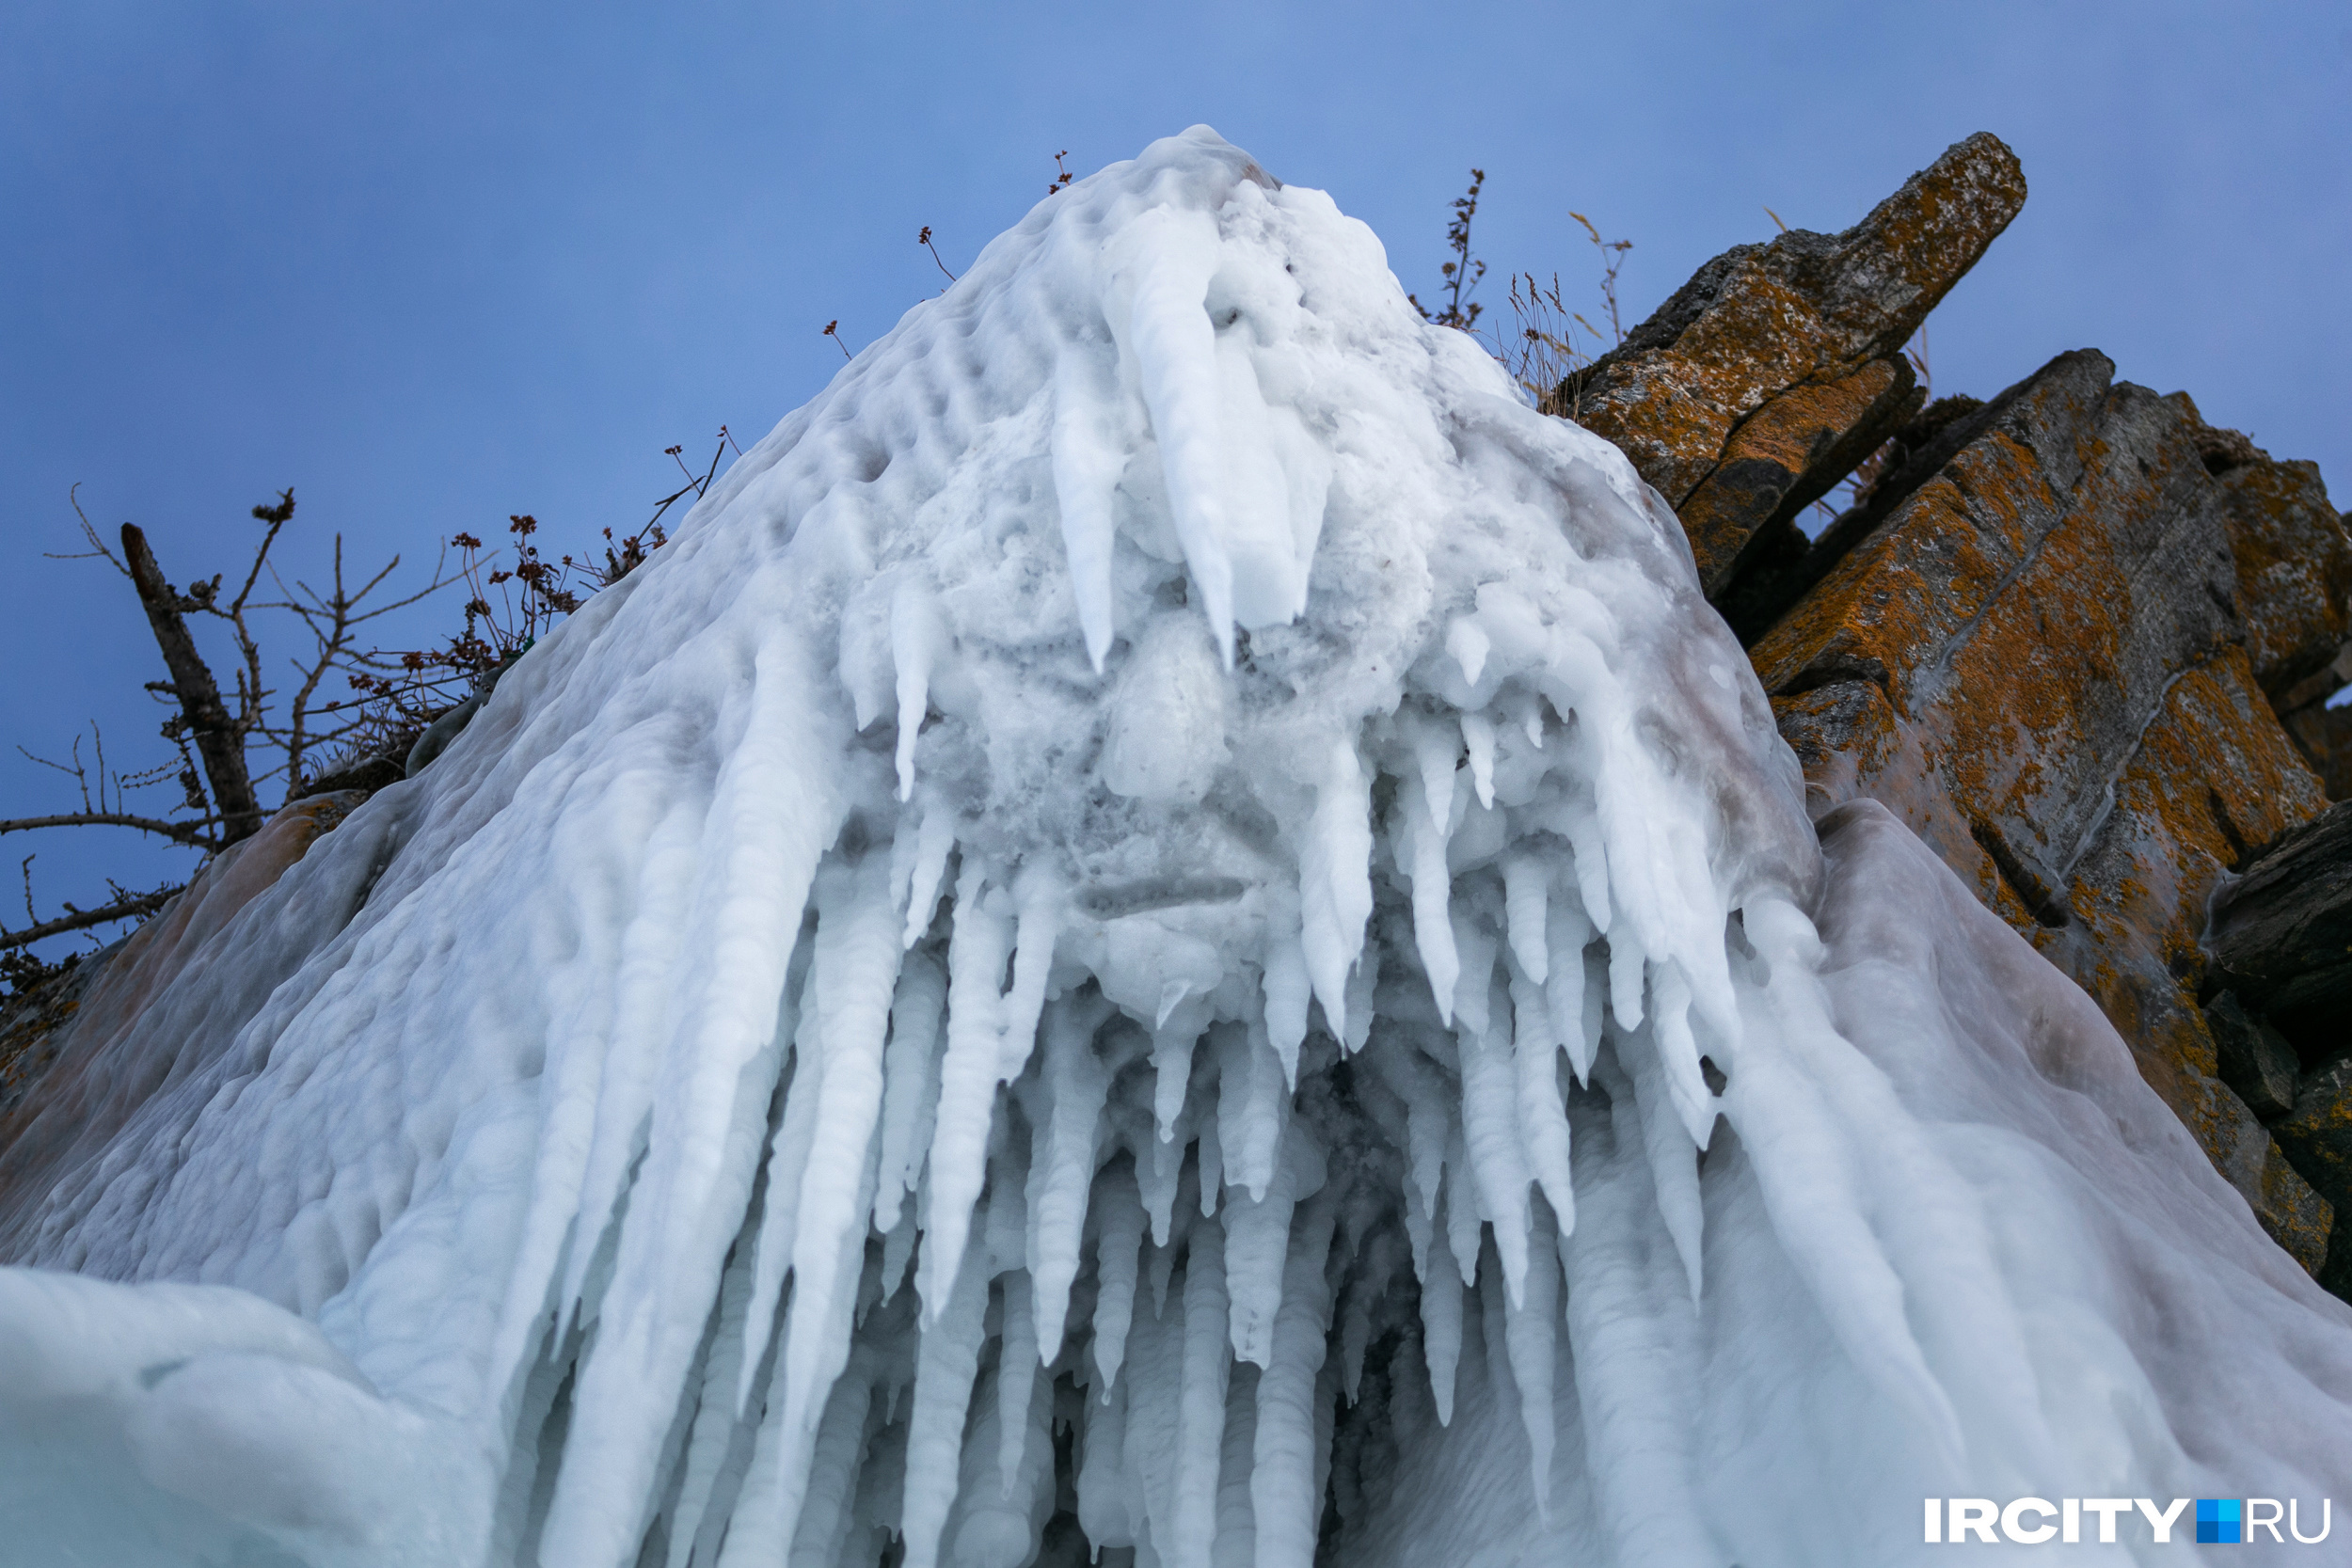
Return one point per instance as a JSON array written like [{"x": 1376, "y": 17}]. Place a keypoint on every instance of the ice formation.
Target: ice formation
[{"x": 1167, "y": 931}]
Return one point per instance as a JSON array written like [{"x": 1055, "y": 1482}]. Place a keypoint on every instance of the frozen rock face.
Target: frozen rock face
[{"x": 1167, "y": 931}]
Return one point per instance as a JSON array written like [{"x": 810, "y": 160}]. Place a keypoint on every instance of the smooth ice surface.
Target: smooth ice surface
[{"x": 1119, "y": 949}]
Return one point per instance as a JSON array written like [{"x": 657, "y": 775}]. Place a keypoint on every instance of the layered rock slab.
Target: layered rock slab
[{"x": 1778, "y": 367}]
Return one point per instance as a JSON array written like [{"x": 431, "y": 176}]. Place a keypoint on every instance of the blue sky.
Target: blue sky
[{"x": 431, "y": 265}]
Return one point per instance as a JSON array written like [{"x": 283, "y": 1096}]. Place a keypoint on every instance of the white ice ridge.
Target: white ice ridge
[{"x": 1165, "y": 933}]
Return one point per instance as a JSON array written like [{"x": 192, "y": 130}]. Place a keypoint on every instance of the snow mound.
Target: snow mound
[{"x": 1167, "y": 929}]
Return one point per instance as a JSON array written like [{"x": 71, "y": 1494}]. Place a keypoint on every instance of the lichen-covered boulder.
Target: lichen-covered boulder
[
  {"x": 2036, "y": 659},
  {"x": 1778, "y": 367}
]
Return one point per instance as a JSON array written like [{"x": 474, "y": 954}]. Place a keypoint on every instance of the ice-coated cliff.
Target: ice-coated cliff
[{"x": 1168, "y": 928}]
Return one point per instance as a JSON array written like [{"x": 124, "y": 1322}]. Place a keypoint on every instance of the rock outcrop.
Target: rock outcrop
[
  {"x": 1779, "y": 367},
  {"x": 2054, "y": 634},
  {"x": 2281, "y": 935}
]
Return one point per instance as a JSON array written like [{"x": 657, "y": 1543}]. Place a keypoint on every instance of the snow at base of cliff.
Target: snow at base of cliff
[{"x": 1168, "y": 930}]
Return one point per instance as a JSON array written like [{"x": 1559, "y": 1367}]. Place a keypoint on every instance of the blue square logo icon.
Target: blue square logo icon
[{"x": 2217, "y": 1521}]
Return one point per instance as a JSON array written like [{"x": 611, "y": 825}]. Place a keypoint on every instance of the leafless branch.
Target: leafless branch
[
  {"x": 129, "y": 906},
  {"x": 189, "y": 834}
]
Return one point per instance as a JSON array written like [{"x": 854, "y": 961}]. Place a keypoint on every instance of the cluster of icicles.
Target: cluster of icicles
[{"x": 1016, "y": 1253}]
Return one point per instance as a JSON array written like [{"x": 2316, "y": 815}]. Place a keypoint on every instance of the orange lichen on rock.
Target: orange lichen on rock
[
  {"x": 2293, "y": 554},
  {"x": 2037, "y": 661},
  {"x": 2213, "y": 775},
  {"x": 1788, "y": 456},
  {"x": 1805, "y": 309}
]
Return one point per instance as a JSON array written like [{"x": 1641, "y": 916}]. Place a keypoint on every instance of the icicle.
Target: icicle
[
  {"x": 1530, "y": 1325},
  {"x": 1335, "y": 887},
  {"x": 766, "y": 1515},
  {"x": 1157, "y": 1178},
  {"x": 1673, "y": 1163},
  {"x": 1103, "y": 1509},
  {"x": 1416, "y": 1232},
  {"x": 1566, "y": 933},
  {"x": 1364, "y": 982},
  {"x": 932, "y": 840},
  {"x": 1257, "y": 1237},
  {"x": 910, "y": 1083},
  {"x": 1429, "y": 1123},
  {"x": 855, "y": 975},
  {"x": 1543, "y": 1118},
  {"x": 1016, "y": 1370},
  {"x": 1474, "y": 993},
  {"x": 684, "y": 1142},
  {"x": 1437, "y": 754},
  {"x": 1201, "y": 1414},
  {"x": 1478, "y": 736},
  {"x": 997, "y": 1526},
  {"x": 1285, "y": 1499},
  {"x": 1167, "y": 255},
  {"x": 716, "y": 1417},
  {"x": 787, "y": 1160},
  {"x": 1433, "y": 890},
  {"x": 1462, "y": 1221},
  {"x": 947, "y": 1358},
  {"x": 1062, "y": 1159},
  {"x": 1252, "y": 1105},
  {"x": 1116, "y": 1254},
  {"x": 1160, "y": 1266},
  {"x": 1578, "y": 823},
  {"x": 1490, "y": 1128},
  {"x": 1678, "y": 1053},
  {"x": 1040, "y": 901},
  {"x": 1171, "y": 1065},
  {"x": 1156, "y": 1383},
  {"x": 1625, "y": 979},
  {"x": 1236, "y": 1545},
  {"x": 898, "y": 1247},
  {"x": 832, "y": 1468},
  {"x": 978, "y": 948},
  {"x": 1285, "y": 983},
  {"x": 1086, "y": 464},
  {"x": 582, "y": 1160},
  {"x": 1441, "y": 1286},
  {"x": 1632, "y": 1335},
  {"x": 1209, "y": 1157},
  {"x": 917, "y": 638},
  {"x": 882, "y": 1483},
  {"x": 1526, "y": 893},
  {"x": 1469, "y": 644}
]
